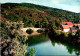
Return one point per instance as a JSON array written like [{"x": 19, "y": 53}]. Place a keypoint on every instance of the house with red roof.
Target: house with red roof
[
  {"x": 74, "y": 29},
  {"x": 65, "y": 28},
  {"x": 70, "y": 24}
]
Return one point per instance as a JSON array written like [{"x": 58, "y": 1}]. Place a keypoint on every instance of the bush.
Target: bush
[
  {"x": 32, "y": 52},
  {"x": 29, "y": 31},
  {"x": 78, "y": 33},
  {"x": 39, "y": 30}
]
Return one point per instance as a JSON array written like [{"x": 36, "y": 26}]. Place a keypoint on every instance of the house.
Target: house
[
  {"x": 70, "y": 24},
  {"x": 74, "y": 29},
  {"x": 65, "y": 28}
]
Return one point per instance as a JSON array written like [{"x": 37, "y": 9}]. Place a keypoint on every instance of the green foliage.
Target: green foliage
[
  {"x": 38, "y": 24},
  {"x": 9, "y": 46},
  {"x": 14, "y": 31},
  {"x": 19, "y": 48},
  {"x": 32, "y": 52},
  {"x": 11, "y": 16},
  {"x": 69, "y": 47},
  {"x": 3, "y": 30},
  {"x": 70, "y": 34},
  {"x": 61, "y": 14},
  {"x": 13, "y": 42},
  {"x": 39, "y": 30},
  {"x": 52, "y": 26},
  {"x": 78, "y": 33},
  {"x": 63, "y": 34},
  {"x": 29, "y": 31},
  {"x": 45, "y": 23},
  {"x": 38, "y": 39}
]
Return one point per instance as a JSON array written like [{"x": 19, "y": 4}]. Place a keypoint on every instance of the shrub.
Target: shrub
[
  {"x": 39, "y": 30},
  {"x": 29, "y": 31},
  {"x": 78, "y": 33},
  {"x": 32, "y": 52}
]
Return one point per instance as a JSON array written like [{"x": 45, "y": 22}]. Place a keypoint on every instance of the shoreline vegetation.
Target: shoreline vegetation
[
  {"x": 13, "y": 41},
  {"x": 14, "y": 18}
]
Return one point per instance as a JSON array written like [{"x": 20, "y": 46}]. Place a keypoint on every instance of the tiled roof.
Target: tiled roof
[
  {"x": 68, "y": 23},
  {"x": 76, "y": 25},
  {"x": 65, "y": 27},
  {"x": 63, "y": 22}
]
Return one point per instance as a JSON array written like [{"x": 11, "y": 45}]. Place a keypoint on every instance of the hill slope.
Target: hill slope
[{"x": 19, "y": 11}]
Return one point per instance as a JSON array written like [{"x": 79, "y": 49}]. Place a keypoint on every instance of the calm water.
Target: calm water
[{"x": 44, "y": 46}]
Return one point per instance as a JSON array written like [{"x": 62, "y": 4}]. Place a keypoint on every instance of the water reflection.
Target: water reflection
[
  {"x": 37, "y": 39},
  {"x": 70, "y": 48},
  {"x": 46, "y": 46}
]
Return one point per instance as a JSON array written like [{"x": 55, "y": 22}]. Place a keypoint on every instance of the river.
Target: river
[{"x": 44, "y": 46}]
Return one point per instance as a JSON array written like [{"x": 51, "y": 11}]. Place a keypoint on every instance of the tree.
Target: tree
[
  {"x": 32, "y": 52},
  {"x": 78, "y": 33},
  {"x": 9, "y": 46},
  {"x": 38, "y": 24},
  {"x": 29, "y": 31},
  {"x": 39, "y": 30},
  {"x": 44, "y": 23}
]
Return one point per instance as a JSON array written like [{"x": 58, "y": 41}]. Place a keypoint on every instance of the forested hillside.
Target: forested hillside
[
  {"x": 26, "y": 11},
  {"x": 58, "y": 13},
  {"x": 21, "y": 10}
]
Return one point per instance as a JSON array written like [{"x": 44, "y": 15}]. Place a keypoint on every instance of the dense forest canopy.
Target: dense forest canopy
[{"x": 19, "y": 11}]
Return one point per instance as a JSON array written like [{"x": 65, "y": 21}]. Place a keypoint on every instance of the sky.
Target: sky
[{"x": 69, "y": 5}]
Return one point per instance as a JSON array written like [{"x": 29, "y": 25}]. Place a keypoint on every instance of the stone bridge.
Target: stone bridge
[{"x": 34, "y": 29}]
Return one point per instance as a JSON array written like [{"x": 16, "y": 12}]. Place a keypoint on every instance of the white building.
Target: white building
[{"x": 65, "y": 28}]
